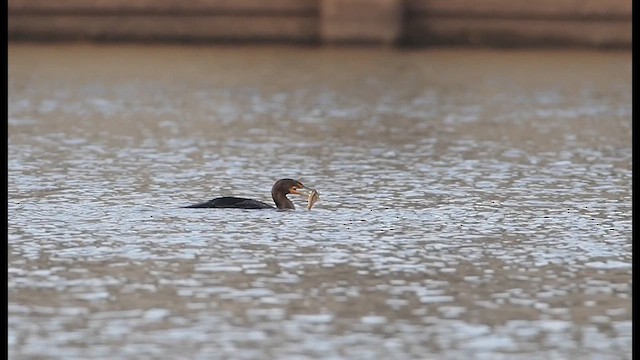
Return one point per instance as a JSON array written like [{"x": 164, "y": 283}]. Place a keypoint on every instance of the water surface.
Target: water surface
[{"x": 473, "y": 203}]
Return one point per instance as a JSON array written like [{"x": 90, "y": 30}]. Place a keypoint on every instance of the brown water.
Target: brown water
[{"x": 474, "y": 204}]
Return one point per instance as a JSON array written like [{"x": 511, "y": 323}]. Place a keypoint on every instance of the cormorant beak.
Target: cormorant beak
[{"x": 303, "y": 191}]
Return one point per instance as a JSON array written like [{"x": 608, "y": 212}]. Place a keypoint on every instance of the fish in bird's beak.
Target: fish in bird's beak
[
  {"x": 314, "y": 196},
  {"x": 311, "y": 194}
]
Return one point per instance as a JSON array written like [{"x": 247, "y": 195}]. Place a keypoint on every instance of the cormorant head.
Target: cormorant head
[
  {"x": 290, "y": 186},
  {"x": 283, "y": 187}
]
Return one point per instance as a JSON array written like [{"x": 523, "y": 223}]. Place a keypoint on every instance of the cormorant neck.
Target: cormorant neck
[{"x": 281, "y": 200}]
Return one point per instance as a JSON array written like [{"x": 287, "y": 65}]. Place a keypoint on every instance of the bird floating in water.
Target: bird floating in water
[{"x": 279, "y": 193}]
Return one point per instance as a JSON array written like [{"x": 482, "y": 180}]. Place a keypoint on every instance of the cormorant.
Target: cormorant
[{"x": 279, "y": 193}]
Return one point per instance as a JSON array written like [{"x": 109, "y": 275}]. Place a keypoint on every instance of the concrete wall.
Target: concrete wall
[{"x": 590, "y": 23}]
